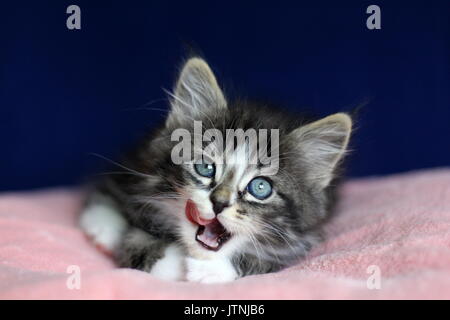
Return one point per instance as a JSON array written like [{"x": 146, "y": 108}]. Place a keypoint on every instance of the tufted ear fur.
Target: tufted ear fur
[
  {"x": 321, "y": 145},
  {"x": 196, "y": 93}
]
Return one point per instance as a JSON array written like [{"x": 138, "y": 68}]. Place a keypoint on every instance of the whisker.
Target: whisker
[{"x": 121, "y": 165}]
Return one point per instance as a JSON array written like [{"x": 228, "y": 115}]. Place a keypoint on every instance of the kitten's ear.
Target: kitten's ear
[
  {"x": 322, "y": 144},
  {"x": 196, "y": 93}
]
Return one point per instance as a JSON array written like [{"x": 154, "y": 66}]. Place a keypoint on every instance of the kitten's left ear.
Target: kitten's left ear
[
  {"x": 196, "y": 93},
  {"x": 322, "y": 144}
]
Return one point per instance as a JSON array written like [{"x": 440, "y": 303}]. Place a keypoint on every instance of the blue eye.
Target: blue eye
[
  {"x": 260, "y": 188},
  {"x": 205, "y": 169}
]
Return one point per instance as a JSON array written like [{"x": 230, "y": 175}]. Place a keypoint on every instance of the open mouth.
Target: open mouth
[{"x": 211, "y": 234}]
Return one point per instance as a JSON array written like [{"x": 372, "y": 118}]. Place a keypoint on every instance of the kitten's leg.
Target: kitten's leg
[
  {"x": 248, "y": 264},
  {"x": 210, "y": 271},
  {"x": 243, "y": 264},
  {"x": 140, "y": 250},
  {"x": 102, "y": 221},
  {"x": 225, "y": 270}
]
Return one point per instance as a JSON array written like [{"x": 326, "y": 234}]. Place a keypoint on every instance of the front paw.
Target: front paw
[{"x": 210, "y": 271}]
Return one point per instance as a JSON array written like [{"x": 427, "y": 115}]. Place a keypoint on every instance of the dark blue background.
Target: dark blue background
[{"x": 64, "y": 94}]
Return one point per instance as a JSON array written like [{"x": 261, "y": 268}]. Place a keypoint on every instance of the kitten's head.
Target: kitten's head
[{"x": 230, "y": 201}]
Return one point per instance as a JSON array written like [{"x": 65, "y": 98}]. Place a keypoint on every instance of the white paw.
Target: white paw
[
  {"x": 103, "y": 224},
  {"x": 210, "y": 271},
  {"x": 171, "y": 265}
]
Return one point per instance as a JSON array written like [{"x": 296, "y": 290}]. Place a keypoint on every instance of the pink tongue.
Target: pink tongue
[{"x": 193, "y": 214}]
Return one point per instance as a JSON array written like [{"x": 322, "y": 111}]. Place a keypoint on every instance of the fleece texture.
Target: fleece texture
[{"x": 389, "y": 239}]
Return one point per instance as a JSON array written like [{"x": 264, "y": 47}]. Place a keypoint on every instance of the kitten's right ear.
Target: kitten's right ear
[{"x": 196, "y": 93}]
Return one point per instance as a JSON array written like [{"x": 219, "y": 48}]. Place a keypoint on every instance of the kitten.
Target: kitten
[{"x": 215, "y": 222}]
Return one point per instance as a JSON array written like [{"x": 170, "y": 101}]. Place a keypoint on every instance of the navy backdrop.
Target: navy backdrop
[{"x": 65, "y": 94}]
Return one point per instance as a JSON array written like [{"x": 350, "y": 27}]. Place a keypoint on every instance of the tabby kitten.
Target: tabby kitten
[{"x": 218, "y": 221}]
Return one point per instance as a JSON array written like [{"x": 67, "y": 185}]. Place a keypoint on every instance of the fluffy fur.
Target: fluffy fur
[{"x": 148, "y": 227}]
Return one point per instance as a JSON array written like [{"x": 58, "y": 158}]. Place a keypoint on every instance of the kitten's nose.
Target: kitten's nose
[
  {"x": 218, "y": 206},
  {"x": 220, "y": 199}
]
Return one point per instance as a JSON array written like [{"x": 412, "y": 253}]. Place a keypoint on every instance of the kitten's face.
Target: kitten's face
[
  {"x": 231, "y": 202},
  {"x": 235, "y": 197}
]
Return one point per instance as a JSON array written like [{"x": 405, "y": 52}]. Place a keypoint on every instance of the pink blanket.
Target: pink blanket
[{"x": 390, "y": 239}]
